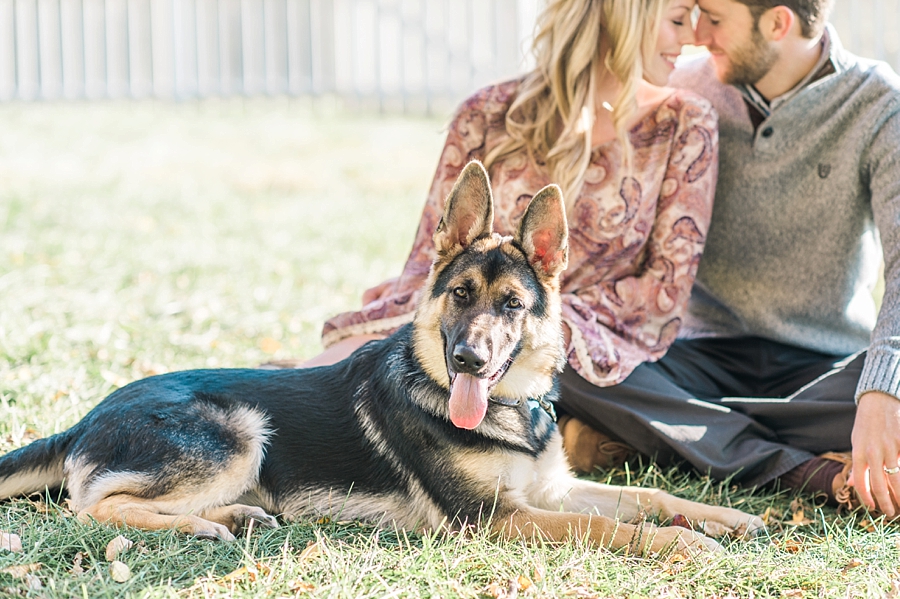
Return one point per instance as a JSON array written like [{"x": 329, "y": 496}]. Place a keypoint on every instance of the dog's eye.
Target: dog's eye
[
  {"x": 514, "y": 303},
  {"x": 461, "y": 292}
]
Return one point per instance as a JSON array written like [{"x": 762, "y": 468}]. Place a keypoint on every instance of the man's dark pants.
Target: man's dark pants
[{"x": 745, "y": 406}]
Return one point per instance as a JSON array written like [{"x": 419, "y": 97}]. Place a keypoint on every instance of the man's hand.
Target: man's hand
[{"x": 876, "y": 447}]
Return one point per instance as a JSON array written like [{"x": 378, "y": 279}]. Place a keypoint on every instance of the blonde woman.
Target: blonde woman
[{"x": 636, "y": 161}]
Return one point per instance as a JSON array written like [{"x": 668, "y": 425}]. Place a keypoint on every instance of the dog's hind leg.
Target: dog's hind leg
[
  {"x": 167, "y": 473},
  {"x": 237, "y": 517},
  {"x": 127, "y": 510}
]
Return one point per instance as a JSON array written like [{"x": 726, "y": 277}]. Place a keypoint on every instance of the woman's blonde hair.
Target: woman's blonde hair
[{"x": 552, "y": 115}]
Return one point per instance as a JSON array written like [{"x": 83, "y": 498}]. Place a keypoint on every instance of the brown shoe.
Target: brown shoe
[
  {"x": 588, "y": 449},
  {"x": 843, "y": 491}
]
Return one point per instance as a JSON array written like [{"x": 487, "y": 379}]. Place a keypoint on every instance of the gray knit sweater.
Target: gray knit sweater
[{"x": 792, "y": 251}]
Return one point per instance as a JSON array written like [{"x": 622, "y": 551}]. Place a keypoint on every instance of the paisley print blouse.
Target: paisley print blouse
[{"x": 635, "y": 241}]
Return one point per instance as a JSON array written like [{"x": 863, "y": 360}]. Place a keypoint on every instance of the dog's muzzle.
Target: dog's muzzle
[{"x": 469, "y": 395}]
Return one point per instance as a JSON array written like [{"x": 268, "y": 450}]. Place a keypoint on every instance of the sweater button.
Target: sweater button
[{"x": 767, "y": 132}]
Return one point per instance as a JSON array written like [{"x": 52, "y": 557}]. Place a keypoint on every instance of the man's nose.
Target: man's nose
[{"x": 703, "y": 31}]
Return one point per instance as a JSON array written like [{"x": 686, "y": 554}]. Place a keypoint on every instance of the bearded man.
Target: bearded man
[{"x": 783, "y": 366}]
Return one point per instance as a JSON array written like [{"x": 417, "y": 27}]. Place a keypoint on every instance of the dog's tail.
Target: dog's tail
[{"x": 35, "y": 467}]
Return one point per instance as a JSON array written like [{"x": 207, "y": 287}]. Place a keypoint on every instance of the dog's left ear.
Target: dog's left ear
[
  {"x": 544, "y": 234},
  {"x": 468, "y": 212}
]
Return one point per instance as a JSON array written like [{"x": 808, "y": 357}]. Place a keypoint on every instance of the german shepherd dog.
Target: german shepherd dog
[{"x": 437, "y": 426}]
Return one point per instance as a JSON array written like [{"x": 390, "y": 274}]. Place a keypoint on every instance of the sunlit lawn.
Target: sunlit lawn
[{"x": 138, "y": 238}]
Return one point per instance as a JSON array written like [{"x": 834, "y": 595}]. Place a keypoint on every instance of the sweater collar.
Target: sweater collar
[{"x": 831, "y": 61}]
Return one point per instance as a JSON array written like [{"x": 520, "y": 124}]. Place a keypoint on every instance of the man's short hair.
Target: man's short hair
[{"x": 812, "y": 13}]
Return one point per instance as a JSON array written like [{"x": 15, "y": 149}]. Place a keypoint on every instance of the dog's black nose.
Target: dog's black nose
[{"x": 465, "y": 360}]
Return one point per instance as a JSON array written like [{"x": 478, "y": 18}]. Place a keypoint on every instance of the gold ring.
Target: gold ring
[{"x": 892, "y": 471}]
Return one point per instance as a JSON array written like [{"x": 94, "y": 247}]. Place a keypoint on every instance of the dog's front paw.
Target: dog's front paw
[
  {"x": 261, "y": 519},
  {"x": 751, "y": 527},
  {"x": 212, "y": 531},
  {"x": 682, "y": 540},
  {"x": 242, "y": 515},
  {"x": 736, "y": 524}
]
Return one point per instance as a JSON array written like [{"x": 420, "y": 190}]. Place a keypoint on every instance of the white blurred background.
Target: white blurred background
[{"x": 410, "y": 56}]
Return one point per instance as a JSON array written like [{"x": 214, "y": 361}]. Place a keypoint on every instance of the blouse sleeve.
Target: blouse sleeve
[
  {"x": 619, "y": 323},
  {"x": 466, "y": 137}
]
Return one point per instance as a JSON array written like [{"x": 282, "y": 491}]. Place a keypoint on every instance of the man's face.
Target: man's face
[{"x": 740, "y": 52}]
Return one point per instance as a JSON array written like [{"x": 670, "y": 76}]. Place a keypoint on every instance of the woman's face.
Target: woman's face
[{"x": 674, "y": 32}]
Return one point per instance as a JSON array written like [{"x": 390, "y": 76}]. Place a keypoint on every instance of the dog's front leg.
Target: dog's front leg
[
  {"x": 712, "y": 519},
  {"x": 628, "y": 502},
  {"x": 601, "y": 531}
]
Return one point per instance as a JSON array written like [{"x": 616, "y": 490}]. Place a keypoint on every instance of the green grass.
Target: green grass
[{"x": 138, "y": 238}]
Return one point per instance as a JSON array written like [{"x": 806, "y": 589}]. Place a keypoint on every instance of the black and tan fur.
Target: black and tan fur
[{"x": 371, "y": 437}]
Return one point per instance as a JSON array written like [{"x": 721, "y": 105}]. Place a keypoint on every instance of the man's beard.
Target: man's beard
[{"x": 751, "y": 62}]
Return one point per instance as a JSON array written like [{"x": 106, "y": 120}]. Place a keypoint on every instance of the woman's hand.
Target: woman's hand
[
  {"x": 339, "y": 350},
  {"x": 378, "y": 291}
]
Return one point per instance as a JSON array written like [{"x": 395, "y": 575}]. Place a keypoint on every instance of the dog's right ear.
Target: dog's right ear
[
  {"x": 468, "y": 212},
  {"x": 544, "y": 233}
]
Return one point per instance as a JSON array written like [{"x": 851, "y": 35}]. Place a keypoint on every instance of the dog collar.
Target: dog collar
[
  {"x": 533, "y": 404},
  {"x": 543, "y": 404}
]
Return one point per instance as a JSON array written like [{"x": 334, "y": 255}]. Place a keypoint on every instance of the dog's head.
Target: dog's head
[{"x": 488, "y": 323}]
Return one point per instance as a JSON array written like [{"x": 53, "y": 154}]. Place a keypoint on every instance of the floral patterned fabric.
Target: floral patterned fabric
[{"x": 635, "y": 241}]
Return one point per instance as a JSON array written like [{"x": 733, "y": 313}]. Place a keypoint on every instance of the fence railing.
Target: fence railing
[
  {"x": 398, "y": 54},
  {"x": 410, "y": 55}
]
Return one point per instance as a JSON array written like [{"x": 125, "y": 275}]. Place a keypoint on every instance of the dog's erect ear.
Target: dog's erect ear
[
  {"x": 468, "y": 213},
  {"x": 544, "y": 234}
]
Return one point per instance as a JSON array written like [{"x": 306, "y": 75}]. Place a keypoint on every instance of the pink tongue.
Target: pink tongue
[{"x": 468, "y": 401}]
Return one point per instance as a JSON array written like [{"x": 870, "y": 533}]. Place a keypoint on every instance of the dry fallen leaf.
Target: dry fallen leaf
[
  {"x": 33, "y": 582},
  {"x": 524, "y": 582},
  {"x": 675, "y": 562},
  {"x": 76, "y": 564},
  {"x": 798, "y": 513},
  {"x": 894, "y": 593},
  {"x": 41, "y": 507},
  {"x": 251, "y": 573},
  {"x": 300, "y": 586},
  {"x": 312, "y": 550},
  {"x": 798, "y": 519},
  {"x": 21, "y": 571},
  {"x": 117, "y": 547},
  {"x": 770, "y": 516},
  {"x": 868, "y": 524},
  {"x": 10, "y": 541},
  {"x": 792, "y": 546},
  {"x": 500, "y": 590},
  {"x": 507, "y": 590},
  {"x": 495, "y": 590},
  {"x": 792, "y": 593},
  {"x": 853, "y": 563},
  {"x": 682, "y": 521},
  {"x": 242, "y": 572},
  {"x": 119, "y": 571}
]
